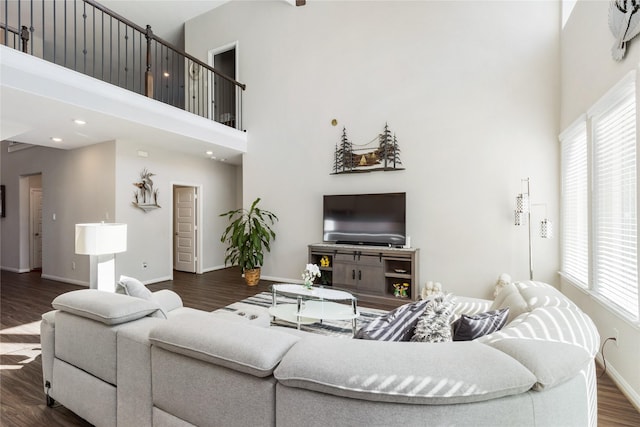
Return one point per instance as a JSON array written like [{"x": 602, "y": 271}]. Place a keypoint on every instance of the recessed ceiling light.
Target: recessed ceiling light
[
  {"x": 56, "y": 139},
  {"x": 79, "y": 122},
  {"x": 223, "y": 160},
  {"x": 213, "y": 157},
  {"x": 209, "y": 153},
  {"x": 166, "y": 74}
]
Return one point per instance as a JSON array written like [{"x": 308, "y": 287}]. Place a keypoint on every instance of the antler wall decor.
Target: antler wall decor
[{"x": 145, "y": 197}]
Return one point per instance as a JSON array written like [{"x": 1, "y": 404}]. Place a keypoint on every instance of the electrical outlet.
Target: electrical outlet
[
  {"x": 615, "y": 336},
  {"x": 73, "y": 265}
]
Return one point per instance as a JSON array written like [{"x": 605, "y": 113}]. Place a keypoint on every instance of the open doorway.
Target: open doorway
[
  {"x": 185, "y": 228},
  {"x": 225, "y": 60}
]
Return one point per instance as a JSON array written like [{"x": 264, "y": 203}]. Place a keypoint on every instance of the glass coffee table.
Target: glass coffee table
[{"x": 313, "y": 305}]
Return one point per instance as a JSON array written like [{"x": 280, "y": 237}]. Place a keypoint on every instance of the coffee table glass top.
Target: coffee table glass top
[
  {"x": 313, "y": 305},
  {"x": 314, "y": 293}
]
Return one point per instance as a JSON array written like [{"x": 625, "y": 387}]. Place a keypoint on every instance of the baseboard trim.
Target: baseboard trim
[
  {"x": 15, "y": 270},
  {"x": 157, "y": 280},
  {"x": 214, "y": 268},
  {"x": 281, "y": 279},
  {"x": 65, "y": 280},
  {"x": 623, "y": 385}
]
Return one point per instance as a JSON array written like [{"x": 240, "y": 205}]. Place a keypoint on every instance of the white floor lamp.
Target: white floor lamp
[
  {"x": 523, "y": 217},
  {"x": 101, "y": 241}
]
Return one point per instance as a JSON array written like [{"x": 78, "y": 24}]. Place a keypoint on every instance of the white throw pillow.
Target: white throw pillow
[
  {"x": 435, "y": 323},
  {"x": 135, "y": 288}
]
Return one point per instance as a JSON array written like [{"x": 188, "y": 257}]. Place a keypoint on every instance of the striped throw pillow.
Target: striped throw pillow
[
  {"x": 397, "y": 325},
  {"x": 468, "y": 328}
]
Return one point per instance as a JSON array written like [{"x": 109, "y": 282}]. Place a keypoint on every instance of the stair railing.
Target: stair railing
[{"x": 87, "y": 37}]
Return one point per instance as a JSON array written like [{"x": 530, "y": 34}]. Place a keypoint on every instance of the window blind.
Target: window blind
[
  {"x": 615, "y": 270},
  {"x": 575, "y": 204}
]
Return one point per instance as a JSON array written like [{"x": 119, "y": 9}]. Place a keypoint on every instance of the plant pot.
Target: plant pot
[{"x": 252, "y": 277}]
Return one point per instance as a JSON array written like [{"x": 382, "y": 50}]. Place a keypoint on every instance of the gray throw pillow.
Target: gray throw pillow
[
  {"x": 397, "y": 325},
  {"x": 468, "y": 328},
  {"x": 435, "y": 323},
  {"x": 133, "y": 287}
]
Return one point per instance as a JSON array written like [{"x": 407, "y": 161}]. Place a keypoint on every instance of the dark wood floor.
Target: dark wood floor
[{"x": 24, "y": 297}]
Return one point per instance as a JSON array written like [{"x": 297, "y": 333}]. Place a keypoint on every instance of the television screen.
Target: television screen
[{"x": 365, "y": 219}]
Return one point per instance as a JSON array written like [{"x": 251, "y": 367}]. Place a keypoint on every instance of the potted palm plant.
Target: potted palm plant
[{"x": 249, "y": 233}]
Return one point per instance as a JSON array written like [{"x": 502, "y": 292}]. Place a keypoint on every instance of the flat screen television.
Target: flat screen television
[{"x": 365, "y": 219}]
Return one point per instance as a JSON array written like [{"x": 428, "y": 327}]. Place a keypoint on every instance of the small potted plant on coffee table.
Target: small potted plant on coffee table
[{"x": 249, "y": 233}]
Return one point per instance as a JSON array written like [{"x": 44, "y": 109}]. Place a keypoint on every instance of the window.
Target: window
[
  {"x": 575, "y": 204},
  {"x": 601, "y": 254}
]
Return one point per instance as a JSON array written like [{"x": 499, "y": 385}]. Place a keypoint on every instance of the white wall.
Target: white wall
[
  {"x": 96, "y": 184},
  {"x": 588, "y": 71},
  {"x": 77, "y": 186},
  {"x": 469, "y": 88},
  {"x": 150, "y": 235}
]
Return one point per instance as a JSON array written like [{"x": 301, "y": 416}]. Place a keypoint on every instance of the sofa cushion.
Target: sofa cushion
[
  {"x": 434, "y": 324},
  {"x": 468, "y": 328},
  {"x": 239, "y": 346},
  {"x": 539, "y": 294},
  {"x": 552, "y": 342},
  {"x": 551, "y": 362},
  {"x": 167, "y": 300},
  {"x": 403, "y": 372},
  {"x": 397, "y": 325},
  {"x": 106, "y": 307},
  {"x": 510, "y": 297}
]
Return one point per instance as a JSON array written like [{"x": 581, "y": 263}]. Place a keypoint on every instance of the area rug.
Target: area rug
[{"x": 338, "y": 328}]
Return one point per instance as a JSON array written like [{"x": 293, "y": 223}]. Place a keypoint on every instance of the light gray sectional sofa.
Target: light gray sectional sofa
[{"x": 117, "y": 360}]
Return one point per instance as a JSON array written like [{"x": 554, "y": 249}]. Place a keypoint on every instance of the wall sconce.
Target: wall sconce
[
  {"x": 101, "y": 241},
  {"x": 523, "y": 217}
]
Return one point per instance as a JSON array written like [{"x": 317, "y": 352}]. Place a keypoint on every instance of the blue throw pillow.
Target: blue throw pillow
[
  {"x": 397, "y": 325},
  {"x": 468, "y": 328}
]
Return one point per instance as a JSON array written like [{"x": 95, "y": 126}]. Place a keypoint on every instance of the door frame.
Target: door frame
[
  {"x": 32, "y": 244},
  {"x": 199, "y": 203},
  {"x": 210, "y": 59}
]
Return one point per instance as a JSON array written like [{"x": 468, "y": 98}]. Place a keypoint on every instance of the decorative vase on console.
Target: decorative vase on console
[{"x": 309, "y": 274}]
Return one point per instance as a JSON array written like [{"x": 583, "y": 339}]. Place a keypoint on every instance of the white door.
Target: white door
[
  {"x": 35, "y": 223},
  {"x": 184, "y": 228}
]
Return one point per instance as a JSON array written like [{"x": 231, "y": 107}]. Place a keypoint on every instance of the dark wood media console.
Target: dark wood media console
[{"x": 369, "y": 272}]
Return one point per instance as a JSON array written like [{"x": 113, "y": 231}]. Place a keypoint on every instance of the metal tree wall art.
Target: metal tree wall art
[
  {"x": 351, "y": 158},
  {"x": 145, "y": 197}
]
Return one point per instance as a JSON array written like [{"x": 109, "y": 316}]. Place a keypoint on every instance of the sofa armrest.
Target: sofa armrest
[
  {"x": 167, "y": 299},
  {"x": 47, "y": 342}
]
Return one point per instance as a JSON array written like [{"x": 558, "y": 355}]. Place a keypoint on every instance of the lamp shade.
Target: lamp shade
[{"x": 101, "y": 238}]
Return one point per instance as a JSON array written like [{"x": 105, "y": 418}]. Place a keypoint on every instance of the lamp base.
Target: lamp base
[{"x": 103, "y": 272}]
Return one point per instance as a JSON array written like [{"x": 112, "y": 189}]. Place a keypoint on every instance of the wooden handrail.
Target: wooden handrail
[
  {"x": 23, "y": 33},
  {"x": 103, "y": 44},
  {"x": 10, "y": 29},
  {"x": 152, "y": 36}
]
